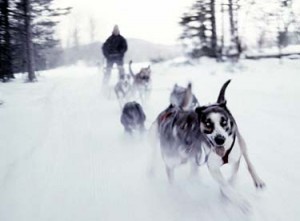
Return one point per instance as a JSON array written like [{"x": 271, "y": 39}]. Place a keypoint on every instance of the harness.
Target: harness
[
  {"x": 165, "y": 116},
  {"x": 224, "y": 158}
]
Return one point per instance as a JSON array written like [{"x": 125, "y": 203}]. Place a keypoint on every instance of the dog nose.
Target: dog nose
[
  {"x": 219, "y": 139},
  {"x": 188, "y": 140}
]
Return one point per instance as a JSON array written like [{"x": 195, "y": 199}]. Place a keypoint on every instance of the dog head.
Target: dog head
[
  {"x": 133, "y": 114},
  {"x": 217, "y": 123},
  {"x": 186, "y": 127},
  {"x": 183, "y": 97},
  {"x": 145, "y": 74},
  {"x": 124, "y": 78}
]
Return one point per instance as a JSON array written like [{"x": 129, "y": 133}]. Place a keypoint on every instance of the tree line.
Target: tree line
[
  {"x": 211, "y": 27},
  {"x": 27, "y": 31}
]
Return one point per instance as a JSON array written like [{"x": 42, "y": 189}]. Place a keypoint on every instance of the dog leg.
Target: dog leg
[
  {"x": 194, "y": 168},
  {"x": 235, "y": 168},
  {"x": 257, "y": 181},
  {"x": 227, "y": 191},
  {"x": 128, "y": 130},
  {"x": 170, "y": 173}
]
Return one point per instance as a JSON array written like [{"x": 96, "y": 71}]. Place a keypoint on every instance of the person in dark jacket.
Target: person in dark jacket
[{"x": 113, "y": 50}]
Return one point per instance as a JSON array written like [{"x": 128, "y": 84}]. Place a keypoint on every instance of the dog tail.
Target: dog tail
[
  {"x": 188, "y": 97},
  {"x": 221, "y": 98},
  {"x": 130, "y": 69}
]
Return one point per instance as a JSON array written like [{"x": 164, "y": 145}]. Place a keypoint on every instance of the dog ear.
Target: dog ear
[
  {"x": 199, "y": 110},
  {"x": 221, "y": 98},
  {"x": 188, "y": 96},
  {"x": 189, "y": 87},
  {"x": 223, "y": 103}
]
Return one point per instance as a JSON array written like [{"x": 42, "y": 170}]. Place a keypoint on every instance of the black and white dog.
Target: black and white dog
[
  {"x": 225, "y": 144},
  {"x": 209, "y": 130},
  {"x": 141, "y": 82},
  {"x": 123, "y": 87},
  {"x": 133, "y": 117}
]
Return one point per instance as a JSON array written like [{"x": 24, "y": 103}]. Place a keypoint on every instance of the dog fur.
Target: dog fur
[
  {"x": 133, "y": 117},
  {"x": 225, "y": 145},
  {"x": 141, "y": 82},
  {"x": 177, "y": 97},
  {"x": 178, "y": 132},
  {"x": 123, "y": 87},
  {"x": 216, "y": 136}
]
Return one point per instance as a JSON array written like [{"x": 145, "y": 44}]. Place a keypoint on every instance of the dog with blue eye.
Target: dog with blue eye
[
  {"x": 209, "y": 133},
  {"x": 225, "y": 145}
]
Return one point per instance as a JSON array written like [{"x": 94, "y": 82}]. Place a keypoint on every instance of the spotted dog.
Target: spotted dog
[{"x": 225, "y": 145}]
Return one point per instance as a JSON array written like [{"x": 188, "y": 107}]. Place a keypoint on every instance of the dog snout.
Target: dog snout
[
  {"x": 219, "y": 139},
  {"x": 188, "y": 140}
]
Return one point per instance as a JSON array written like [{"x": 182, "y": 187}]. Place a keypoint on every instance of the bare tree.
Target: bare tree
[
  {"x": 28, "y": 38},
  {"x": 92, "y": 29}
]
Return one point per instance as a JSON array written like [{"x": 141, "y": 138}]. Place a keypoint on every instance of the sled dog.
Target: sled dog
[
  {"x": 207, "y": 135},
  {"x": 133, "y": 117},
  {"x": 123, "y": 87},
  {"x": 177, "y": 97},
  {"x": 141, "y": 81}
]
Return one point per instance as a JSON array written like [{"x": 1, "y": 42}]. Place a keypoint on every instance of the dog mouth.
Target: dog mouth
[{"x": 220, "y": 151}]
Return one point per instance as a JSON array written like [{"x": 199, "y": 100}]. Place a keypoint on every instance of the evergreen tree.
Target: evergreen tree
[
  {"x": 6, "y": 71},
  {"x": 32, "y": 26},
  {"x": 199, "y": 29}
]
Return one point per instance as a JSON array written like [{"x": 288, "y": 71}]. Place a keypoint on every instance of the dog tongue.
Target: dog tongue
[{"x": 220, "y": 151}]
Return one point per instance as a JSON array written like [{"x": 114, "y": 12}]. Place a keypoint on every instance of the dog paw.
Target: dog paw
[{"x": 259, "y": 184}]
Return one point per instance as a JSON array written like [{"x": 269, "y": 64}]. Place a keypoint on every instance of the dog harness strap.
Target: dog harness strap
[{"x": 225, "y": 157}]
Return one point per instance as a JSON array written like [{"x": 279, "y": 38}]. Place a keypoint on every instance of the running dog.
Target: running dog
[
  {"x": 123, "y": 87},
  {"x": 177, "y": 97},
  {"x": 178, "y": 132},
  {"x": 141, "y": 81},
  {"x": 133, "y": 117},
  {"x": 209, "y": 133},
  {"x": 225, "y": 144}
]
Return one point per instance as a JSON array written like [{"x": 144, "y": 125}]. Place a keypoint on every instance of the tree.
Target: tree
[
  {"x": 6, "y": 71},
  {"x": 32, "y": 26},
  {"x": 92, "y": 29},
  {"x": 28, "y": 40},
  {"x": 199, "y": 29}
]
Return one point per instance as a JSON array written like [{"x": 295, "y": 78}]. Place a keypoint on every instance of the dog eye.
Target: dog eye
[
  {"x": 224, "y": 122},
  {"x": 207, "y": 124}
]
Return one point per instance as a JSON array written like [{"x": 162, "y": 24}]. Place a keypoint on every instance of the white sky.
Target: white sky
[{"x": 152, "y": 20}]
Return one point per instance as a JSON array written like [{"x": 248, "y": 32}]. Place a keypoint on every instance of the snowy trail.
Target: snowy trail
[{"x": 64, "y": 156}]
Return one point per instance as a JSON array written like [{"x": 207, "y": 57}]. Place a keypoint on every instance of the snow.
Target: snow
[
  {"x": 64, "y": 155},
  {"x": 273, "y": 51}
]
